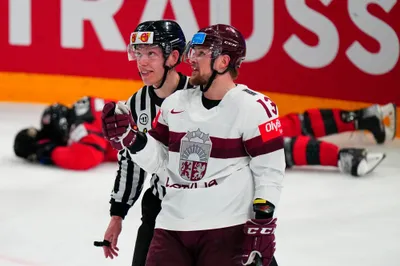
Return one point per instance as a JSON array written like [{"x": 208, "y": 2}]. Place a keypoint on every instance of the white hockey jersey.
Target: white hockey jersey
[{"x": 215, "y": 161}]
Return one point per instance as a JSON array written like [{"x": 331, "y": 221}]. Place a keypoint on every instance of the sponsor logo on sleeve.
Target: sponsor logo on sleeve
[{"x": 270, "y": 130}]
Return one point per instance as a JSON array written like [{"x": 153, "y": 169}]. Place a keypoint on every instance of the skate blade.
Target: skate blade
[{"x": 370, "y": 163}]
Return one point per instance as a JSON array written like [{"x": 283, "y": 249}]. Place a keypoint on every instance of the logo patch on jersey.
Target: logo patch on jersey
[
  {"x": 143, "y": 119},
  {"x": 194, "y": 154},
  {"x": 270, "y": 130},
  {"x": 176, "y": 112}
]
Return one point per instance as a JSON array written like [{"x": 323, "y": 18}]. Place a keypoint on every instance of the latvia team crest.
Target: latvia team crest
[{"x": 194, "y": 154}]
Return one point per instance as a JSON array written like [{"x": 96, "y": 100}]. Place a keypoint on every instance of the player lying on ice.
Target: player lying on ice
[
  {"x": 71, "y": 133},
  {"x": 69, "y": 138},
  {"x": 302, "y": 131}
]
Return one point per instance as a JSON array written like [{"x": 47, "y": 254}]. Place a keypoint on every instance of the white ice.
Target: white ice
[{"x": 50, "y": 217}]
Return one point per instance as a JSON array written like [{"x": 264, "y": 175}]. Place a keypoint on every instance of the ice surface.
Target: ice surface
[{"x": 50, "y": 217}]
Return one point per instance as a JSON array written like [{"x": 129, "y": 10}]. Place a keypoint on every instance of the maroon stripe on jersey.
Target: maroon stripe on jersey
[
  {"x": 227, "y": 148},
  {"x": 221, "y": 148},
  {"x": 256, "y": 146},
  {"x": 160, "y": 133},
  {"x": 175, "y": 141}
]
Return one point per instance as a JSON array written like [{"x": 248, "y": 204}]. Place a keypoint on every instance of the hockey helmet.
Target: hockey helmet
[
  {"x": 25, "y": 142},
  {"x": 167, "y": 34},
  {"x": 221, "y": 39},
  {"x": 55, "y": 124}
]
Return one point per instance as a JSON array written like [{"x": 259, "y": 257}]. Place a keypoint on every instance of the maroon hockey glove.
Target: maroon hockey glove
[
  {"x": 118, "y": 126},
  {"x": 259, "y": 241}
]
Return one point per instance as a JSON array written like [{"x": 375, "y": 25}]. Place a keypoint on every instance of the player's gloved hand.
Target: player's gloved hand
[
  {"x": 118, "y": 125},
  {"x": 44, "y": 150},
  {"x": 259, "y": 241}
]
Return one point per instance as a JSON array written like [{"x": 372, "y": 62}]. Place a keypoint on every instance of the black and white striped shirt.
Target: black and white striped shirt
[{"x": 144, "y": 105}]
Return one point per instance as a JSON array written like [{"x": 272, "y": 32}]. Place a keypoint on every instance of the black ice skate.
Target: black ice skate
[
  {"x": 380, "y": 120},
  {"x": 358, "y": 162}
]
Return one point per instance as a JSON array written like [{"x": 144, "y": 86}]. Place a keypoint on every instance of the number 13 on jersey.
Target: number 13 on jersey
[{"x": 271, "y": 129}]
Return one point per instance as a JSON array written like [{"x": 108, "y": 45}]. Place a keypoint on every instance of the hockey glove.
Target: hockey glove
[
  {"x": 259, "y": 241},
  {"x": 28, "y": 145},
  {"x": 44, "y": 150},
  {"x": 118, "y": 125}
]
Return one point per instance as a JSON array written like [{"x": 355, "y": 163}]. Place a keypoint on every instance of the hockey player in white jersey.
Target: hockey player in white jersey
[
  {"x": 219, "y": 150},
  {"x": 157, "y": 47}
]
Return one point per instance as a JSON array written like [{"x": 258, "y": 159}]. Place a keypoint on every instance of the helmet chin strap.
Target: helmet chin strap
[
  {"x": 210, "y": 81},
  {"x": 166, "y": 70},
  {"x": 213, "y": 76},
  {"x": 164, "y": 78}
]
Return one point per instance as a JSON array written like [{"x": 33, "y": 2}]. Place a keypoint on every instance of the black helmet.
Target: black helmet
[
  {"x": 55, "y": 123},
  {"x": 167, "y": 34},
  {"x": 25, "y": 142}
]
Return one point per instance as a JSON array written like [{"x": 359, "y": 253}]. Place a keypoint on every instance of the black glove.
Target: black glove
[
  {"x": 29, "y": 145},
  {"x": 44, "y": 149}
]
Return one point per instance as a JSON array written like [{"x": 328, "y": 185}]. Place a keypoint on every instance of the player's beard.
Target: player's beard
[{"x": 198, "y": 79}]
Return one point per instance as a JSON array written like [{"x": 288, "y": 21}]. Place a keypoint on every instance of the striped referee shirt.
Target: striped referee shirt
[{"x": 128, "y": 185}]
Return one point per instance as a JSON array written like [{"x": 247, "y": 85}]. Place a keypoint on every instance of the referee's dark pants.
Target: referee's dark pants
[{"x": 151, "y": 206}]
